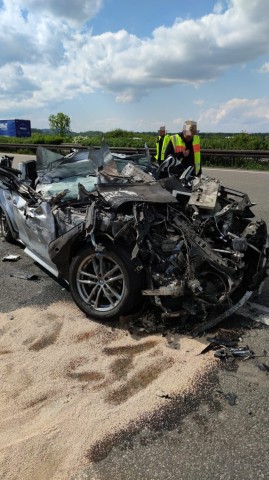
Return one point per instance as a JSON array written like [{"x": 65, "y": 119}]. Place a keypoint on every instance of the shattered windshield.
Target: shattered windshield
[
  {"x": 87, "y": 168},
  {"x": 52, "y": 166}
]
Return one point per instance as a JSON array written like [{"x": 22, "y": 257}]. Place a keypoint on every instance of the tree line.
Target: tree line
[
  {"x": 122, "y": 138},
  {"x": 60, "y": 132}
]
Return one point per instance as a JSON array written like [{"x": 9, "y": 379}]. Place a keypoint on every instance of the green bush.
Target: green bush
[{"x": 118, "y": 138}]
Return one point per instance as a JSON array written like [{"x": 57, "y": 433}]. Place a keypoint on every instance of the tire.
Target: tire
[
  {"x": 104, "y": 284},
  {"x": 4, "y": 227}
]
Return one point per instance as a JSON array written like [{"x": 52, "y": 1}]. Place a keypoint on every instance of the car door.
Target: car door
[{"x": 36, "y": 226}]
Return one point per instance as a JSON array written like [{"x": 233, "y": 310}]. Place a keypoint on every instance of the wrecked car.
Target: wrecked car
[{"x": 123, "y": 238}]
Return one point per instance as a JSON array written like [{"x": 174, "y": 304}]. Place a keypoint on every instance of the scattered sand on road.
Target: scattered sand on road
[{"x": 67, "y": 383}]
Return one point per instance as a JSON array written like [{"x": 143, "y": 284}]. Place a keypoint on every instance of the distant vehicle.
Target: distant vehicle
[{"x": 15, "y": 128}]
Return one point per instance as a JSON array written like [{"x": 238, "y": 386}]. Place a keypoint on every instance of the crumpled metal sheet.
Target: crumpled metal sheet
[
  {"x": 204, "y": 193},
  {"x": 116, "y": 195}
]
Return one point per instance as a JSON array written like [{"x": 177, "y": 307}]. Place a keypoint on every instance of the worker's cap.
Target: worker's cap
[
  {"x": 190, "y": 127},
  {"x": 162, "y": 131}
]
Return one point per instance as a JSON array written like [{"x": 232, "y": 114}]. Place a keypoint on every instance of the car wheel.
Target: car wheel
[
  {"x": 4, "y": 227},
  {"x": 104, "y": 284}
]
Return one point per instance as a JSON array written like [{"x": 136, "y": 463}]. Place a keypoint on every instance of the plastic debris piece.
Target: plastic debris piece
[
  {"x": 264, "y": 367},
  {"x": 206, "y": 349},
  {"x": 24, "y": 276},
  {"x": 222, "y": 353},
  {"x": 231, "y": 397},
  {"x": 223, "y": 341},
  {"x": 220, "y": 342},
  {"x": 166, "y": 396},
  {"x": 240, "y": 352},
  {"x": 11, "y": 258}
]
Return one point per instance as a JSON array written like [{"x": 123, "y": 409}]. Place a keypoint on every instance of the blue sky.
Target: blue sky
[{"x": 116, "y": 64}]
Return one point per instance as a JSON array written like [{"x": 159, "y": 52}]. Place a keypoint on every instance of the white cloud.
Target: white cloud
[
  {"x": 199, "y": 102},
  {"x": 74, "y": 12},
  {"x": 51, "y": 56},
  {"x": 219, "y": 7},
  {"x": 237, "y": 114},
  {"x": 15, "y": 86},
  {"x": 264, "y": 68},
  {"x": 199, "y": 51}
]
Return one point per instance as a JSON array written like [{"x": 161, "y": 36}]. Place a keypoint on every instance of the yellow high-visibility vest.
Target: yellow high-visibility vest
[
  {"x": 179, "y": 146},
  {"x": 166, "y": 140}
]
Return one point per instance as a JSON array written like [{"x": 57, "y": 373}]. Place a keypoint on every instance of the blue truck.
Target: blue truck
[{"x": 15, "y": 128}]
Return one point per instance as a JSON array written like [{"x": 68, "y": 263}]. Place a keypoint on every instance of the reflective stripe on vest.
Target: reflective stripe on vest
[{"x": 179, "y": 147}]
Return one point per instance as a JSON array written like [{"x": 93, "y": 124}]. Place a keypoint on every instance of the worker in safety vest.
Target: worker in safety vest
[
  {"x": 161, "y": 144},
  {"x": 185, "y": 146}
]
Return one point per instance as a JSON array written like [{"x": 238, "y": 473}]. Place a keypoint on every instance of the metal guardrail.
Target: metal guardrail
[{"x": 67, "y": 147}]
